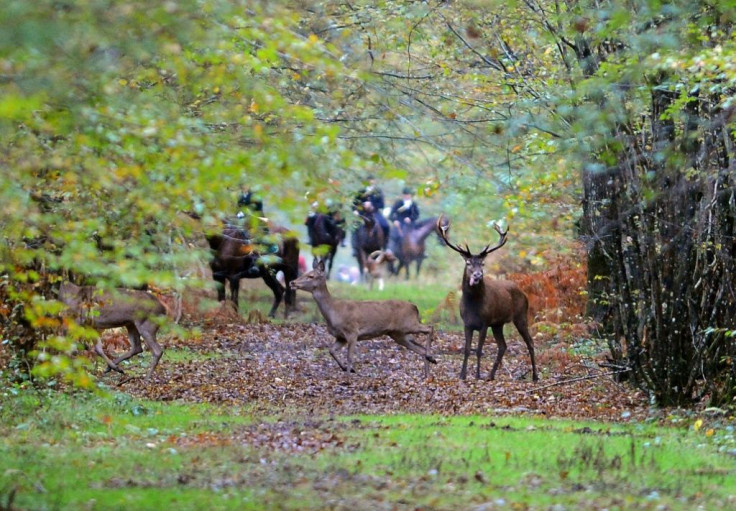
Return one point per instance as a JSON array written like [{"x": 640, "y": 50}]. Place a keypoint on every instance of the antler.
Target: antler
[
  {"x": 442, "y": 230},
  {"x": 501, "y": 241}
]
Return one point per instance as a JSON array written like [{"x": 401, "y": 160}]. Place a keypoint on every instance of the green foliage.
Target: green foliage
[{"x": 117, "y": 118}]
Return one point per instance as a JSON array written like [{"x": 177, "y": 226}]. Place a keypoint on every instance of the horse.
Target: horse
[
  {"x": 237, "y": 256},
  {"x": 408, "y": 245},
  {"x": 367, "y": 238},
  {"x": 324, "y": 231}
]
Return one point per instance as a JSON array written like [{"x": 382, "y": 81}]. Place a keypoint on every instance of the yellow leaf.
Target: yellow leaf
[
  {"x": 698, "y": 424},
  {"x": 709, "y": 432},
  {"x": 313, "y": 38},
  {"x": 516, "y": 149}
]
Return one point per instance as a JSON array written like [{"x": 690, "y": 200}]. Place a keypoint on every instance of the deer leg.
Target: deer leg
[
  {"x": 466, "y": 353},
  {"x": 427, "y": 356},
  {"x": 523, "y": 329},
  {"x": 110, "y": 364},
  {"x": 148, "y": 330},
  {"x": 276, "y": 287},
  {"x": 338, "y": 345},
  {"x": 352, "y": 341},
  {"x": 482, "y": 333},
  {"x": 408, "y": 342},
  {"x": 501, "y": 342},
  {"x": 135, "y": 345}
]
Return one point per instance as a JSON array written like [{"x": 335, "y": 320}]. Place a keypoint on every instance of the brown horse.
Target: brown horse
[
  {"x": 325, "y": 234},
  {"x": 366, "y": 239},
  {"x": 407, "y": 244},
  {"x": 236, "y": 255}
]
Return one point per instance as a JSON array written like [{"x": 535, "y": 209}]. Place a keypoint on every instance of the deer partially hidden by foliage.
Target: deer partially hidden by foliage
[
  {"x": 488, "y": 303},
  {"x": 351, "y": 321},
  {"x": 138, "y": 311}
]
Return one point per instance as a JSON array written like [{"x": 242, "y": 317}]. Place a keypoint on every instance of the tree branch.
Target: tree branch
[{"x": 581, "y": 378}]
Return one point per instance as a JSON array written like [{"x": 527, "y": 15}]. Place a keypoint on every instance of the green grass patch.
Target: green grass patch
[{"x": 74, "y": 451}]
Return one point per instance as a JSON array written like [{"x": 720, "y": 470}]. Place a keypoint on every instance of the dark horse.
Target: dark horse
[
  {"x": 237, "y": 256},
  {"x": 408, "y": 245},
  {"x": 367, "y": 238},
  {"x": 325, "y": 231}
]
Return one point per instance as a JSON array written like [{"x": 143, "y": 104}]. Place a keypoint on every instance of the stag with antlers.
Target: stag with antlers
[{"x": 488, "y": 303}]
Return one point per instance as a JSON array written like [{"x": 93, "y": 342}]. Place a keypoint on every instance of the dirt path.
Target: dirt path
[{"x": 287, "y": 368}]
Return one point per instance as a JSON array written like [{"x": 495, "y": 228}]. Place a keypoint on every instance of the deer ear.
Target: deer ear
[{"x": 320, "y": 265}]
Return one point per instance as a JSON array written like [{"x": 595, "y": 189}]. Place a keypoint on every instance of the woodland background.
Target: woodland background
[{"x": 600, "y": 131}]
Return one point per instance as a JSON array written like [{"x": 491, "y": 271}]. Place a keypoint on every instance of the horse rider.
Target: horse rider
[
  {"x": 403, "y": 214},
  {"x": 370, "y": 201},
  {"x": 250, "y": 217},
  {"x": 249, "y": 201},
  {"x": 333, "y": 220}
]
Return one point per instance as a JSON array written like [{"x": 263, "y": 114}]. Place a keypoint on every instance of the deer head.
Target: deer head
[
  {"x": 473, "y": 263},
  {"x": 312, "y": 279}
]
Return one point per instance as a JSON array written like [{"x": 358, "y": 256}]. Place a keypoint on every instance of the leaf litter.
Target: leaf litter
[{"x": 276, "y": 368}]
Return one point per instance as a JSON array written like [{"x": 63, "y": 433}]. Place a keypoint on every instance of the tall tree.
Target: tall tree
[{"x": 652, "y": 104}]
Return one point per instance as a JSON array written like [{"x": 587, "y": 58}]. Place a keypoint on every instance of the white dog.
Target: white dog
[{"x": 377, "y": 266}]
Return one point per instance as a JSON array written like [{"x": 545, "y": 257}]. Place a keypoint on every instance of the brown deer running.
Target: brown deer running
[
  {"x": 139, "y": 312},
  {"x": 489, "y": 303},
  {"x": 351, "y": 321}
]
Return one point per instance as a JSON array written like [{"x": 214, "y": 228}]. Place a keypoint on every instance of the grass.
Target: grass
[{"x": 86, "y": 451}]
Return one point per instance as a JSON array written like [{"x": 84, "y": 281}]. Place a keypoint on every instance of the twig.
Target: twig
[
  {"x": 124, "y": 380},
  {"x": 590, "y": 377}
]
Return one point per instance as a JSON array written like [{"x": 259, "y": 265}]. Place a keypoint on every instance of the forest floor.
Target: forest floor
[{"x": 281, "y": 368}]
